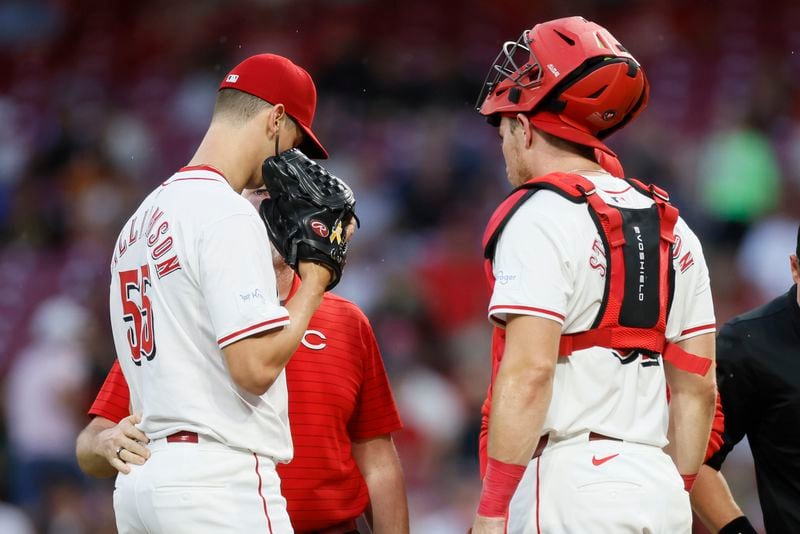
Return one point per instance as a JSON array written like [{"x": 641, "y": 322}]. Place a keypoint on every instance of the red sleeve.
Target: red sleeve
[
  {"x": 114, "y": 399},
  {"x": 715, "y": 440},
  {"x": 375, "y": 413}
]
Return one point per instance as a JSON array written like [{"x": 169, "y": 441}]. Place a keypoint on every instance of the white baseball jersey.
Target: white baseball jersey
[
  {"x": 192, "y": 273},
  {"x": 550, "y": 263}
]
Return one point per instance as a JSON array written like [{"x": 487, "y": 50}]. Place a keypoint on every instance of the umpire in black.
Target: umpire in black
[{"x": 758, "y": 375}]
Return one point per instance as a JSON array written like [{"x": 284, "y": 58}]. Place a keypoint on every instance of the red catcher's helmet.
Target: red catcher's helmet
[{"x": 572, "y": 68}]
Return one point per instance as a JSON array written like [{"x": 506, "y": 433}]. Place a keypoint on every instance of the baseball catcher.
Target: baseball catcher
[{"x": 308, "y": 211}]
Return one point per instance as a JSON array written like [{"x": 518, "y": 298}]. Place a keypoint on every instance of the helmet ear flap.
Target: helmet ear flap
[{"x": 637, "y": 108}]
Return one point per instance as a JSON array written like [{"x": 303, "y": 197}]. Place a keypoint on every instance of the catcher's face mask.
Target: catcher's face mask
[{"x": 514, "y": 66}]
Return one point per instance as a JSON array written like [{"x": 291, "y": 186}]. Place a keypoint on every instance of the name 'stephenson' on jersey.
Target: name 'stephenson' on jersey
[
  {"x": 554, "y": 240},
  {"x": 177, "y": 298}
]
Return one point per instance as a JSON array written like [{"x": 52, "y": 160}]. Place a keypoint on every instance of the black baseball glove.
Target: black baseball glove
[{"x": 307, "y": 211}]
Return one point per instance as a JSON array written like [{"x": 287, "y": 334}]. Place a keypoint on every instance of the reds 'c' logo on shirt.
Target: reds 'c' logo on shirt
[{"x": 314, "y": 340}]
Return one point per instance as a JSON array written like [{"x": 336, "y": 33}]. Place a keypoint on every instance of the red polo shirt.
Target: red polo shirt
[{"x": 338, "y": 393}]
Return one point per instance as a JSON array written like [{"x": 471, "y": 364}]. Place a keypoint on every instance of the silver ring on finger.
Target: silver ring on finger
[{"x": 119, "y": 451}]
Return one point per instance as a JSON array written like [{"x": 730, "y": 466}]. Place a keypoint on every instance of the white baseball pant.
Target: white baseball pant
[
  {"x": 199, "y": 488},
  {"x": 601, "y": 486}
]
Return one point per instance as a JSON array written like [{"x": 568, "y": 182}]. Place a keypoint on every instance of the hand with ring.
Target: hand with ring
[{"x": 123, "y": 444}]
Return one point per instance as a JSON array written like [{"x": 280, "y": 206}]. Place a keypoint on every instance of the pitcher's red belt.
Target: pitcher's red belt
[{"x": 183, "y": 436}]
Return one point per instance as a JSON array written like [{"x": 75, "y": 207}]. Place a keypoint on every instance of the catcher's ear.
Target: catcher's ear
[{"x": 527, "y": 133}]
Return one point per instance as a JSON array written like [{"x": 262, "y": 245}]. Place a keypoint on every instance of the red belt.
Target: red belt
[
  {"x": 183, "y": 436},
  {"x": 593, "y": 436},
  {"x": 345, "y": 527}
]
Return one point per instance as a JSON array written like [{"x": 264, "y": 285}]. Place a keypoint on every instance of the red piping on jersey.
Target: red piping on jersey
[
  {"x": 197, "y": 179},
  {"x": 263, "y": 500},
  {"x": 698, "y": 328},
  {"x": 251, "y": 328},
  {"x": 202, "y": 168},
  {"x": 526, "y": 308}
]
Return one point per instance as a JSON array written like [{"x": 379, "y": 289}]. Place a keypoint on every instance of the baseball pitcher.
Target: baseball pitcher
[{"x": 198, "y": 330}]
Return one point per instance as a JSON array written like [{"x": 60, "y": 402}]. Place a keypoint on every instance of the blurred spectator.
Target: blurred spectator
[
  {"x": 740, "y": 180},
  {"x": 762, "y": 256},
  {"x": 44, "y": 392}
]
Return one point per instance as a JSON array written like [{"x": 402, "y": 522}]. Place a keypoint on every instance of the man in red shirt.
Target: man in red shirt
[{"x": 341, "y": 412}]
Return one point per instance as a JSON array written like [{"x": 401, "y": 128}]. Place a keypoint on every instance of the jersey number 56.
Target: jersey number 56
[{"x": 138, "y": 312}]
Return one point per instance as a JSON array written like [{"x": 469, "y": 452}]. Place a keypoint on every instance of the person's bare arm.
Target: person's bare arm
[
  {"x": 256, "y": 361},
  {"x": 523, "y": 388},
  {"x": 712, "y": 500},
  {"x": 97, "y": 445},
  {"x": 521, "y": 395},
  {"x": 378, "y": 462},
  {"x": 691, "y": 407}
]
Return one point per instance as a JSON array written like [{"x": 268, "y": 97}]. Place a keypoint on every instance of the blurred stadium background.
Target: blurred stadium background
[{"x": 101, "y": 101}]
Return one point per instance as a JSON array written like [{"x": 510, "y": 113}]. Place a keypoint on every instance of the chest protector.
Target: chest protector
[{"x": 640, "y": 278}]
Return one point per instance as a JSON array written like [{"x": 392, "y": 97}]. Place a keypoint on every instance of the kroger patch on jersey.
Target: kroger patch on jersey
[
  {"x": 505, "y": 278},
  {"x": 251, "y": 300}
]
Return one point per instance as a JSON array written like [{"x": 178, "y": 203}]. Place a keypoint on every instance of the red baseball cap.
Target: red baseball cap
[{"x": 279, "y": 81}]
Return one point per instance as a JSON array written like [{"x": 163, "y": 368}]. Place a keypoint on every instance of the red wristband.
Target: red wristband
[
  {"x": 499, "y": 485},
  {"x": 688, "y": 481}
]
